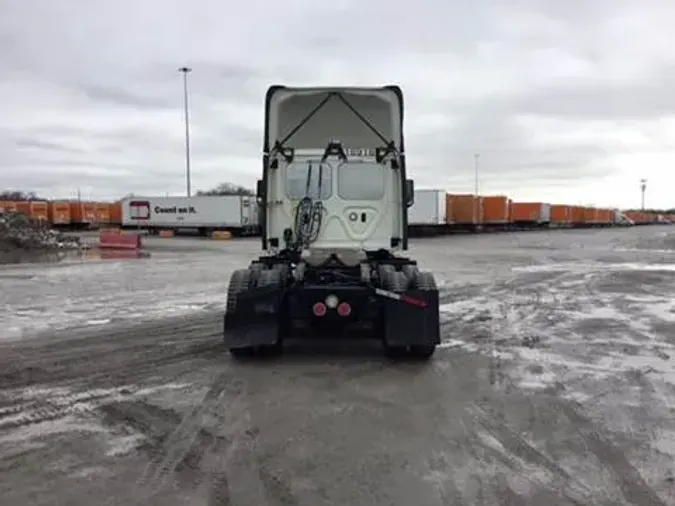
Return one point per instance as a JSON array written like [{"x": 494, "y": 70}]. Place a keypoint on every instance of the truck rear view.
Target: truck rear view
[{"x": 334, "y": 202}]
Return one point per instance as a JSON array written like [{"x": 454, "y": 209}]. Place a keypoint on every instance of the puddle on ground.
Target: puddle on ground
[{"x": 68, "y": 256}]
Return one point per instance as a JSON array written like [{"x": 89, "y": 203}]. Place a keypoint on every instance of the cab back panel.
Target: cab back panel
[
  {"x": 309, "y": 119},
  {"x": 358, "y": 224}
]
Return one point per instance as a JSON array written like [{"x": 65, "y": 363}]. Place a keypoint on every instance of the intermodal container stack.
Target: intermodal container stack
[
  {"x": 102, "y": 213},
  {"x": 530, "y": 213},
  {"x": 82, "y": 213},
  {"x": 496, "y": 210},
  {"x": 116, "y": 213},
  {"x": 589, "y": 216},
  {"x": 465, "y": 209},
  {"x": 36, "y": 210},
  {"x": 7, "y": 207},
  {"x": 605, "y": 217},
  {"x": 578, "y": 216},
  {"x": 561, "y": 215},
  {"x": 59, "y": 213}
]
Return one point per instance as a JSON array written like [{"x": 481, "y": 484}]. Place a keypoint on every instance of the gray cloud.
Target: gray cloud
[
  {"x": 558, "y": 98},
  {"x": 126, "y": 98},
  {"x": 44, "y": 145}
]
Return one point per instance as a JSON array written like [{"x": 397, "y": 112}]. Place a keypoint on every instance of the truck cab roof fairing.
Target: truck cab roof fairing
[{"x": 312, "y": 117}]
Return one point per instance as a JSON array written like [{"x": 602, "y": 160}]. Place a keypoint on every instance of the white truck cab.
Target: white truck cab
[{"x": 334, "y": 170}]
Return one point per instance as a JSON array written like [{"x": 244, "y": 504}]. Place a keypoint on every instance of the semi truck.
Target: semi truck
[{"x": 334, "y": 199}]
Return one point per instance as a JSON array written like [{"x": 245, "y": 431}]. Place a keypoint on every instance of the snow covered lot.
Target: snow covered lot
[{"x": 555, "y": 383}]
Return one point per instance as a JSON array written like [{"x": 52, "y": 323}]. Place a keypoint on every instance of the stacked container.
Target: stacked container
[
  {"x": 561, "y": 215},
  {"x": 59, "y": 213},
  {"x": 590, "y": 216},
  {"x": 530, "y": 212},
  {"x": 116, "y": 213},
  {"x": 578, "y": 215},
  {"x": 83, "y": 213},
  {"x": 496, "y": 210},
  {"x": 7, "y": 207},
  {"x": 465, "y": 209},
  {"x": 35, "y": 210},
  {"x": 102, "y": 213}
]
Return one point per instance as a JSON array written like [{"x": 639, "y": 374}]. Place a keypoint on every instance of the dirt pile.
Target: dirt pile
[{"x": 18, "y": 232}]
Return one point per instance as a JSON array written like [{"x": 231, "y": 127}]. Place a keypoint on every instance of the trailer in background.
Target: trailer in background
[
  {"x": 83, "y": 215},
  {"x": 37, "y": 211},
  {"x": 59, "y": 213},
  {"x": 205, "y": 215},
  {"x": 428, "y": 214},
  {"x": 102, "y": 213},
  {"x": 496, "y": 212},
  {"x": 530, "y": 215},
  {"x": 466, "y": 211}
]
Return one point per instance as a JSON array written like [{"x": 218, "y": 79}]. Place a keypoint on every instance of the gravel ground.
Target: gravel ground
[{"x": 554, "y": 384}]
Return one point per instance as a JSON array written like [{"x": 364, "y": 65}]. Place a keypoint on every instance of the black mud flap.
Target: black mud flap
[
  {"x": 413, "y": 319},
  {"x": 255, "y": 320}
]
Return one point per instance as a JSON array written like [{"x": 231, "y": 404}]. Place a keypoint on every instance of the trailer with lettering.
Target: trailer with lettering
[{"x": 204, "y": 214}]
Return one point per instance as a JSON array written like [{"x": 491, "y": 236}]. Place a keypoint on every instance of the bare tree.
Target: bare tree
[
  {"x": 226, "y": 189},
  {"x": 18, "y": 196}
]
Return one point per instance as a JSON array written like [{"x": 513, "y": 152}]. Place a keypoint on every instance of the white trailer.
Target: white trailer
[
  {"x": 428, "y": 209},
  {"x": 238, "y": 214}
]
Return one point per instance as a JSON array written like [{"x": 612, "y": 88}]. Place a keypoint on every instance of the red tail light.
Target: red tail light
[
  {"x": 319, "y": 309},
  {"x": 344, "y": 309}
]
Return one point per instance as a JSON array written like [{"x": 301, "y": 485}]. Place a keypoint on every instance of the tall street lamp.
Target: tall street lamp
[{"x": 185, "y": 71}]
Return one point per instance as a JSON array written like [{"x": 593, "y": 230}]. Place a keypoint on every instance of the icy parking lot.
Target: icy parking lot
[{"x": 555, "y": 383}]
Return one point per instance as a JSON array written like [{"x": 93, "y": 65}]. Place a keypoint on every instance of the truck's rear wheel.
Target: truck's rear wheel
[
  {"x": 422, "y": 280},
  {"x": 255, "y": 268},
  {"x": 410, "y": 271},
  {"x": 272, "y": 278},
  {"x": 421, "y": 352},
  {"x": 398, "y": 282},
  {"x": 239, "y": 282}
]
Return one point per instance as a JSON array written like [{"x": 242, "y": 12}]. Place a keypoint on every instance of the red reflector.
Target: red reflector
[
  {"x": 344, "y": 309},
  {"x": 319, "y": 309},
  {"x": 412, "y": 301}
]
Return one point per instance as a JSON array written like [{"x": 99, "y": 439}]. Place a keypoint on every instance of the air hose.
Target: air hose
[{"x": 309, "y": 214}]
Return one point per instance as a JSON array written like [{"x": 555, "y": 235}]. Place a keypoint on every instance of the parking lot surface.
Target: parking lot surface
[{"x": 554, "y": 384}]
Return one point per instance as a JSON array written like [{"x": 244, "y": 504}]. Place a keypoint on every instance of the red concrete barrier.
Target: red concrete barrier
[{"x": 115, "y": 240}]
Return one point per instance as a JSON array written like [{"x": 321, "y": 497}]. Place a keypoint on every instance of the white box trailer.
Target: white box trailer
[
  {"x": 236, "y": 213},
  {"x": 428, "y": 208}
]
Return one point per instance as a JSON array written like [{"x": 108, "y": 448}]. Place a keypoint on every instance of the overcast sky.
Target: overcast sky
[{"x": 568, "y": 102}]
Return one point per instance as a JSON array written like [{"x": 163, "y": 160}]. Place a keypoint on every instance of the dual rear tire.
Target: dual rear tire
[
  {"x": 259, "y": 276},
  {"x": 256, "y": 276},
  {"x": 398, "y": 282}
]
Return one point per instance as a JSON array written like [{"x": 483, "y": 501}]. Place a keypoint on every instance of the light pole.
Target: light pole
[
  {"x": 476, "y": 212},
  {"x": 185, "y": 71},
  {"x": 643, "y": 188},
  {"x": 476, "y": 157}
]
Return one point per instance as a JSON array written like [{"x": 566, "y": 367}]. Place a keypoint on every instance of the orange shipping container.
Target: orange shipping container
[
  {"x": 561, "y": 215},
  {"x": 577, "y": 215},
  {"x": 604, "y": 216},
  {"x": 530, "y": 212},
  {"x": 116, "y": 213},
  {"x": 496, "y": 209},
  {"x": 35, "y": 210},
  {"x": 102, "y": 212},
  {"x": 8, "y": 206},
  {"x": 82, "y": 212},
  {"x": 59, "y": 213},
  {"x": 464, "y": 209},
  {"x": 590, "y": 215}
]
